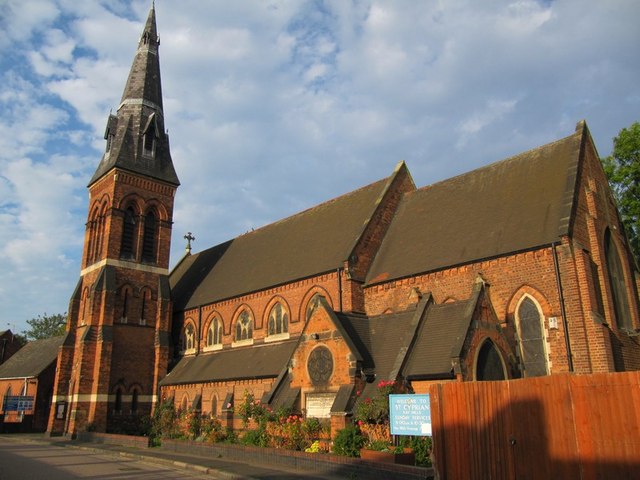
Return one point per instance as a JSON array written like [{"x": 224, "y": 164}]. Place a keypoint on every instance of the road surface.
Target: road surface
[{"x": 35, "y": 461}]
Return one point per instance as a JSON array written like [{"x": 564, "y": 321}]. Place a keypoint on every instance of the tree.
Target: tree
[
  {"x": 623, "y": 171},
  {"x": 46, "y": 326}
]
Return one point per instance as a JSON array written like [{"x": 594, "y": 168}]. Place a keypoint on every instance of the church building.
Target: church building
[{"x": 517, "y": 269}]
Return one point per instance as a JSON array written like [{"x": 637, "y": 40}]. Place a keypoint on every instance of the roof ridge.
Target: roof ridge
[
  {"x": 315, "y": 207},
  {"x": 499, "y": 162}
]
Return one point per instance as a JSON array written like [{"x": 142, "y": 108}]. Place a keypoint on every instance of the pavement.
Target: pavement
[{"x": 215, "y": 467}]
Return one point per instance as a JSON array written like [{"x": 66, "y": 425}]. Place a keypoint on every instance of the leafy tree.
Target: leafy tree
[
  {"x": 46, "y": 326},
  {"x": 21, "y": 339},
  {"x": 623, "y": 170}
]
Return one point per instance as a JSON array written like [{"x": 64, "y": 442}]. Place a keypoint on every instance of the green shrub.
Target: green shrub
[
  {"x": 348, "y": 442},
  {"x": 256, "y": 438},
  {"x": 378, "y": 445},
  {"x": 163, "y": 423},
  {"x": 422, "y": 450},
  {"x": 311, "y": 427},
  {"x": 194, "y": 424},
  {"x": 211, "y": 429},
  {"x": 229, "y": 436}
]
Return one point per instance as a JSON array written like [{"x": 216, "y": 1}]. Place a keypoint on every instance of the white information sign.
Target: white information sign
[
  {"x": 319, "y": 404},
  {"x": 410, "y": 415}
]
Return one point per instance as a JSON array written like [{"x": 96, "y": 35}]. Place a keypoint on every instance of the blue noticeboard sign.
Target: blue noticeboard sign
[
  {"x": 410, "y": 415},
  {"x": 18, "y": 403}
]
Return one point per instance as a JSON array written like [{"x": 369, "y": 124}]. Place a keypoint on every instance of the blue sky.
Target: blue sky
[{"x": 275, "y": 106}]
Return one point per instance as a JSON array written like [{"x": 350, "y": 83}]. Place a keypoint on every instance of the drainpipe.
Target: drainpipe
[
  {"x": 339, "y": 271},
  {"x": 563, "y": 311},
  {"x": 199, "y": 330}
]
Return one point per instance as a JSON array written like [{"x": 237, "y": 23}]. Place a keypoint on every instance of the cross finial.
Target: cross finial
[{"x": 189, "y": 238}]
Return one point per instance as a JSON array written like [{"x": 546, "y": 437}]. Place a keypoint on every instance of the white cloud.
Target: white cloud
[
  {"x": 20, "y": 18},
  {"x": 275, "y": 106},
  {"x": 494, "y": 110}
]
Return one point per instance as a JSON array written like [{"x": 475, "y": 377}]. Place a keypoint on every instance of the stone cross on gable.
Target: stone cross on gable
[{"x": 189, "y": 238}]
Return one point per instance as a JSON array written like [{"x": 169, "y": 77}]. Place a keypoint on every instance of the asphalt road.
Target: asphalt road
[{"x": 30, "y": 461}]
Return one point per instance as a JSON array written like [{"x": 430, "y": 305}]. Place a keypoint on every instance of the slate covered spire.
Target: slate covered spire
[
  {"x": 136, "y": 136},
  {"x": 144, "y": 78}
]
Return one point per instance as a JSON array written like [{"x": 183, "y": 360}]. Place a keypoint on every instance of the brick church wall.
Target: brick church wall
[
  {"x": 533, "y": 272},
  {"x": 294, "y": 296},
  {"x": 371, "y": 239}
]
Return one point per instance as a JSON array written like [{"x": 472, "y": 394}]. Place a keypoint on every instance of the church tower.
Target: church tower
[{"x": 118, "y": 329}]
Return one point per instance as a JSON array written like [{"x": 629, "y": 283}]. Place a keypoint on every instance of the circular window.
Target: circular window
[{"x": 320, "y": 365}]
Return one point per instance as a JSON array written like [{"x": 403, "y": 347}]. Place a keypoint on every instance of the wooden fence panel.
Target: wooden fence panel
[{"x": 560, "y": 426}]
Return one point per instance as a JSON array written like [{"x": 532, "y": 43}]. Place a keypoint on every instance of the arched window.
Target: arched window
[
  {"x": 530, "y": 329},
  {"x": 144, "y": 307},
  {"x": 214, "y": 334},
  {"x": 313, "y": 305},
  {"x": 118, "y": 403},
  {"x": 125, "y": 295},
  {"x": 617, "y": 283},
  {"x": 93, "y": 235},
  {"x": 134, "y": 402},
  {"x": 85, "y": 306},
  {"x": 127, "y": 246},
  {"x": 6, "y": 399},
  {"x": 149, "y": 237},
  {"x": 214, "y": 405},
  {"x": 184, "y": 404},
  {"x": 100, "y": 228},
  {"x": 244, "y": 329},
  {"x": 278, "y": 320},
  {"x": 489, "y": 365},
  {"x": 189, "y": 338}
]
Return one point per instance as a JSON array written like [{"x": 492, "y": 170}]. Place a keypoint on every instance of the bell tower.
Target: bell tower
[{"x": 118, "y": 329}]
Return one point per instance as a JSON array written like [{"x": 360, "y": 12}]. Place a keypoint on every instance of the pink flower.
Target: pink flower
[{"x": 229, "y": 405}]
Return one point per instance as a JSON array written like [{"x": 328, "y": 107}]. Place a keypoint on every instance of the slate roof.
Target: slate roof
[
  {"x": 391, "y": 343},
  {"x": 513, "y": 205},
  {"x": 141, "y": 100},
  {"x": 379, "y": 340},
  {"x": 440, "y": 339},
  {"x": 314, "y": 241},
  {"x": 258, "y": 361},
  {"x": 285, "y": 396},
  {"x": 32, "y": 359}
]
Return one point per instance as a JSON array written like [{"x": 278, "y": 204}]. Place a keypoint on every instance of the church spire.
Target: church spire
[
  {"x": 136, "y": 137},
  {"x": 144, "y": 77}
]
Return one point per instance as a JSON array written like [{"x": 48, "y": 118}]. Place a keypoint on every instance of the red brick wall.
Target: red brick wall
[
  {"x": 595, "y": 214},
  {"x": 294, "y": 296},
  {"x": 321, "y": 331},
  {"x": 218, "y": 390},
  {"x": 116, "y": 190},
  {"x": 512, "y": 276},
  {"x": 364, "y": 252},
  {"x": 41, "y": 389},
  {"x": 120, "y": 348}
]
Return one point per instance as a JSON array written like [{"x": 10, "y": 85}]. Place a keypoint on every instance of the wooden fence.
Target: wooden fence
[{"x": 557, "y": 427}]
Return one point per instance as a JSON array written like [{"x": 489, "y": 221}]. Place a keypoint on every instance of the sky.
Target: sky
[{"x": 275, "y": 106}]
